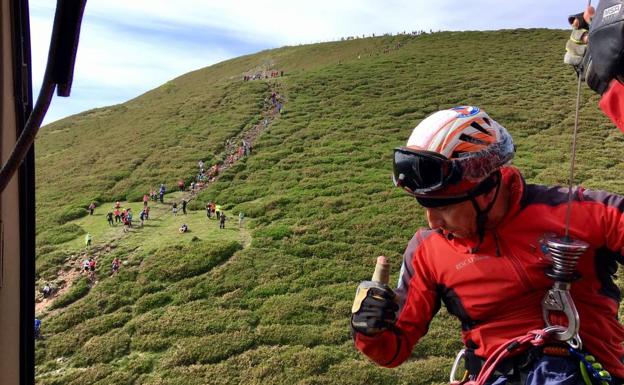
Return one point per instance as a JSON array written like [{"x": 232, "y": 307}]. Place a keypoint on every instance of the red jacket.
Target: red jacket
[
  {"x": 497, "y": 290},
  {"x": 612, "y": 103}
]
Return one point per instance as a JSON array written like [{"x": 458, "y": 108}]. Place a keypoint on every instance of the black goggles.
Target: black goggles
[{"x": 421, "y": 172}]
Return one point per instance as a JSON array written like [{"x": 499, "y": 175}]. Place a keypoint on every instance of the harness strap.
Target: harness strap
[{"x": 519, "y": 344}]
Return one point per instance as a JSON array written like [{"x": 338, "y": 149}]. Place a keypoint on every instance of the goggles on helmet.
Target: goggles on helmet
[{"x": 421, "y": 172}]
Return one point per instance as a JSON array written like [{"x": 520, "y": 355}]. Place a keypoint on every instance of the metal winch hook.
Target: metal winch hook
[
  {"x": 559, "y": 299},
  {"x": 565, "y": 253}
]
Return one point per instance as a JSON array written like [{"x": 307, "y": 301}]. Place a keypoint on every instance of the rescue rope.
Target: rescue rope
[{"x": 515, "y": 345}]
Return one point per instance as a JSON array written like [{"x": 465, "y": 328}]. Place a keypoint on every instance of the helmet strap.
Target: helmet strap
[{"x": 482, "y": 214}]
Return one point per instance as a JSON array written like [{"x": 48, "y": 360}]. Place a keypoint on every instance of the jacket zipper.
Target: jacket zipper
[{"x": 517, "y": 266}]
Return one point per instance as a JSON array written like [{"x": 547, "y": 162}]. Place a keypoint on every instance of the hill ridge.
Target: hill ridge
[{"x": 317, "y": 197}]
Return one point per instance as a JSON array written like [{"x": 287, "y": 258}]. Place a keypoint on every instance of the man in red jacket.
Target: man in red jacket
[{"x": 484, "y": 256}]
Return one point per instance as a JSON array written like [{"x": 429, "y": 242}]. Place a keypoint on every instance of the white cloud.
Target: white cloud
[{"x": 129, "y": 47}]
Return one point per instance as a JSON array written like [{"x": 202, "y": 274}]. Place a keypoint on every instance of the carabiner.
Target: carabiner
[
  {"x": 559, "y": 299},
  {"x": 460, "y": 355}
]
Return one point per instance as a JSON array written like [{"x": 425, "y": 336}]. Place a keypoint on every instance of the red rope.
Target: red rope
[{"x": 515, "y": 345}]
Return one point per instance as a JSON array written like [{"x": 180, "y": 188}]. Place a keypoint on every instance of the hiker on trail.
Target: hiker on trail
[
  {"x": 145, "y": 199},
  {"x": 117, "y": 214},
  {"x": 129, "y": 216},
  {"x": 91, "y": 208},
  {"x": 88, "y": 239},
  {"x": 496, "y": 255},
  {"x": 181, "y": 185},
  {"x": 241, "y": 216},
  {"x": 91, "y": 274},
  {"x": 115, "y": 266},
  {"x": 109, "y": 218},
  {"x": 222, "y": 221},
  {"x": 47, "y": 290},
  {"x": 154, "y": 195},
  {"x": 201, "y": 165},
  {"x": 117, "y": 205},
  {"x": 147, "y": 210},
  {"x": 37, "y": 328},
  {"x": 192, "y": 185},
  {"x": 175, "y": 209},
  {"x": 126, "y": 222},
  {"x": 161, "y": 193},
  {"x": 183, "y": 228},
  {"x": 85, "y": 264},
  {"x": 218, "y": 210},
  {"x": 142, "y": 216},
  {"x": 209, "y": 210},
  {"x": 184, "y": 203}
]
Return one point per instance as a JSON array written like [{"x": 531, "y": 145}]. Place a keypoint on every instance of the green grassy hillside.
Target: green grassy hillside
[{"x": 270, "y": 302}]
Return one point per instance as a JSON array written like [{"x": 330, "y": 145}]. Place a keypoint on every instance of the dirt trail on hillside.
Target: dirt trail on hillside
[{"x": 71, "y": 270}]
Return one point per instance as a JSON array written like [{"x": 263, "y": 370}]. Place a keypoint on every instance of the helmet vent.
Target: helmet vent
[
  {"x": 477, "y": 126},
  {"x": 470, "y": 139}
]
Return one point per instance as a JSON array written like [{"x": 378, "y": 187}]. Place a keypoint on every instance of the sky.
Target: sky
[{"x": 128, "y": 47}]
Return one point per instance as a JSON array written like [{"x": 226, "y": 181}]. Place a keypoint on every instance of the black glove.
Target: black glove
[
  {"x": 374, "y": 308},
  {"x": 606, "y": 40}
]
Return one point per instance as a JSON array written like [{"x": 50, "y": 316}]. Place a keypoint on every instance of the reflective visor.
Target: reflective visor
[{"x": 419, "y": 171}]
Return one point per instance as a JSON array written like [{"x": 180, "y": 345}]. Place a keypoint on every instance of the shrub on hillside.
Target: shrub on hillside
[
  {"x": 47, "y": 264},
  {"x": 208, "y": 349},
  {"x": 135, "y": 194},
  {"x": 70, "y": 214},
  {"x": 60, "y": 234},
  {"x": 87, "y": 376},
  {"x": 118, "y": 175},
  {"x": 151, "y": 343},
  {"x": 151, "y": 301},
  {"x": 103, "y": 349},
  {"x": 253, "y": 209},
  {"x": 192, "y": 319},
  {"x": 63, "y": 344},
  {"x": 77, "y": 291},
  {"x": 71, "y": 316},
  {"x": 274, "y": 232},
  {"x": 175, "y": 262}
]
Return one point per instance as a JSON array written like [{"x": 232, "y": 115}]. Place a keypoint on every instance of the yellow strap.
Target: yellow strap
[
  {"x": 584, "y": 374},
  {"x": 360, "y": 294}
]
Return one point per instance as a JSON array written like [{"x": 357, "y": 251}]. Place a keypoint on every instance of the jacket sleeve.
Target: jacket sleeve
[
  {"x": 418, "y": 303},
  {"x": 606, "y": 210},
  {"x": 612, "y": 103}
]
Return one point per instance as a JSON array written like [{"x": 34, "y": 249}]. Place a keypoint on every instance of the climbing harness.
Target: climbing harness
[{"x": 534, "y": 338}]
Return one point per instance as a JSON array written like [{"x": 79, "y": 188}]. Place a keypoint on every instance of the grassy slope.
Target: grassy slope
[{"x": 317, "y": 192}]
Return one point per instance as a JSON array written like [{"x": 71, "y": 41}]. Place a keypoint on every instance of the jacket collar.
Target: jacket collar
[{"x": 513, "y": 181}]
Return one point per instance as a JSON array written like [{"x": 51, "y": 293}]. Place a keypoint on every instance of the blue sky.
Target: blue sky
[{"x": 129, "y": 47}]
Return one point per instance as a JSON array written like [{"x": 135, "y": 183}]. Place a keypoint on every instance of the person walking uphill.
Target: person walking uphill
[
  {"x": 161, "y": 193},
  {"x": 222, "y": 220}
]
